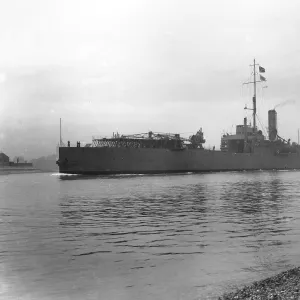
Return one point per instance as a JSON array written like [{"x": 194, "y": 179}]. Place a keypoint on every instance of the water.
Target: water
[{"x": 187, "y": 236}]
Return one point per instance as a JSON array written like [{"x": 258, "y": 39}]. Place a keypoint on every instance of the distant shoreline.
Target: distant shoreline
[
  {"x": 7, "y": 171},
  {"x": 285, "y": 285}
]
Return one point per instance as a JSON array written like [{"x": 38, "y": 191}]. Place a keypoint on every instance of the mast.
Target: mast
[
  {"x": 261, "y": 69},
  {"x": 254, "y": 98},
  {"x": 59, "y": 132}
]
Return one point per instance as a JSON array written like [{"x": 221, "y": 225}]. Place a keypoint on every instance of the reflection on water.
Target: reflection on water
[{"x": 186, "y": 236}]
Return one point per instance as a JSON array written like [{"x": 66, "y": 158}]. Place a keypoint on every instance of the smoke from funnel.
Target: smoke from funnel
[{"x": 284, "y": 103}]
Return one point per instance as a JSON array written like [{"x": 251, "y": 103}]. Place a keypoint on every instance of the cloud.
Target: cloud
[
  {"x": 2, "y": 77},
  {"x": 248, "y": 39},
  {"x": 96, "y": 80}
]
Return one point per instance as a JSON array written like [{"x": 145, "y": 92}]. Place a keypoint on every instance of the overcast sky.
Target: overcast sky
[{"x": 135, "y": 65}]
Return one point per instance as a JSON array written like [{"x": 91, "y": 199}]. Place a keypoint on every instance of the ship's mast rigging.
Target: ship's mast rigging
[
  {"x": 61, "y": 143},
  {"x": 254, "y": 98},
  {"x": 254, "y": 93},
  {"x": 60, "y": 132}
]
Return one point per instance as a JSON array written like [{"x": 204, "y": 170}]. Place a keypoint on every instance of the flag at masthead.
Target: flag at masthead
[{"x": 262, "y": 78}]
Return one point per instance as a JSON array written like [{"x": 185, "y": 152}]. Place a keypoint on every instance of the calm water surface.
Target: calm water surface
[{"x": 187, "y": 236}]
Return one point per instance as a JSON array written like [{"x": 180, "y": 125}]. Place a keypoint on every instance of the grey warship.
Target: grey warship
[{"x": 247, "y": 149}]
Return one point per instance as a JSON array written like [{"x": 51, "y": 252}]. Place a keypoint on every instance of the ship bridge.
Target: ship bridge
[{"x": 242, "y": 139}]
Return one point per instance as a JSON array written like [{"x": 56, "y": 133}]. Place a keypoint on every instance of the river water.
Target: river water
[{"x": 186, "y": 236}]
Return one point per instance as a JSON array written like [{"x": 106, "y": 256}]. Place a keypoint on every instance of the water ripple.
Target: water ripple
[{"x": 162, "y": 235}]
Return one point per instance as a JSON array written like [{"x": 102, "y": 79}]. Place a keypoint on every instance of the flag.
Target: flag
[
  {"x": 261, "y": 69},
  {"x": 262, "y": 78}
]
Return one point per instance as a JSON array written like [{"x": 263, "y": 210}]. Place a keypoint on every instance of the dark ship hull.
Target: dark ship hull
[{"x": 101, "y": 160}]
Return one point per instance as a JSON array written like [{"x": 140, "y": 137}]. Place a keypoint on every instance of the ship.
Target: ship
[{"x": 154, "y": 152}]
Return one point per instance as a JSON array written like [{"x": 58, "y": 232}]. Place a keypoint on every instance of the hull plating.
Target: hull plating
[{"x": 141, "y": 161}]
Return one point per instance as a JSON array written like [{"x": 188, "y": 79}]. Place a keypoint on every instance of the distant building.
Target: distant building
[{"x": 4, "y": 159}]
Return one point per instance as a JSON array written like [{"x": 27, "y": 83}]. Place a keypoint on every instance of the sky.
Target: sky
[{"x": 134, "y": 65}]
